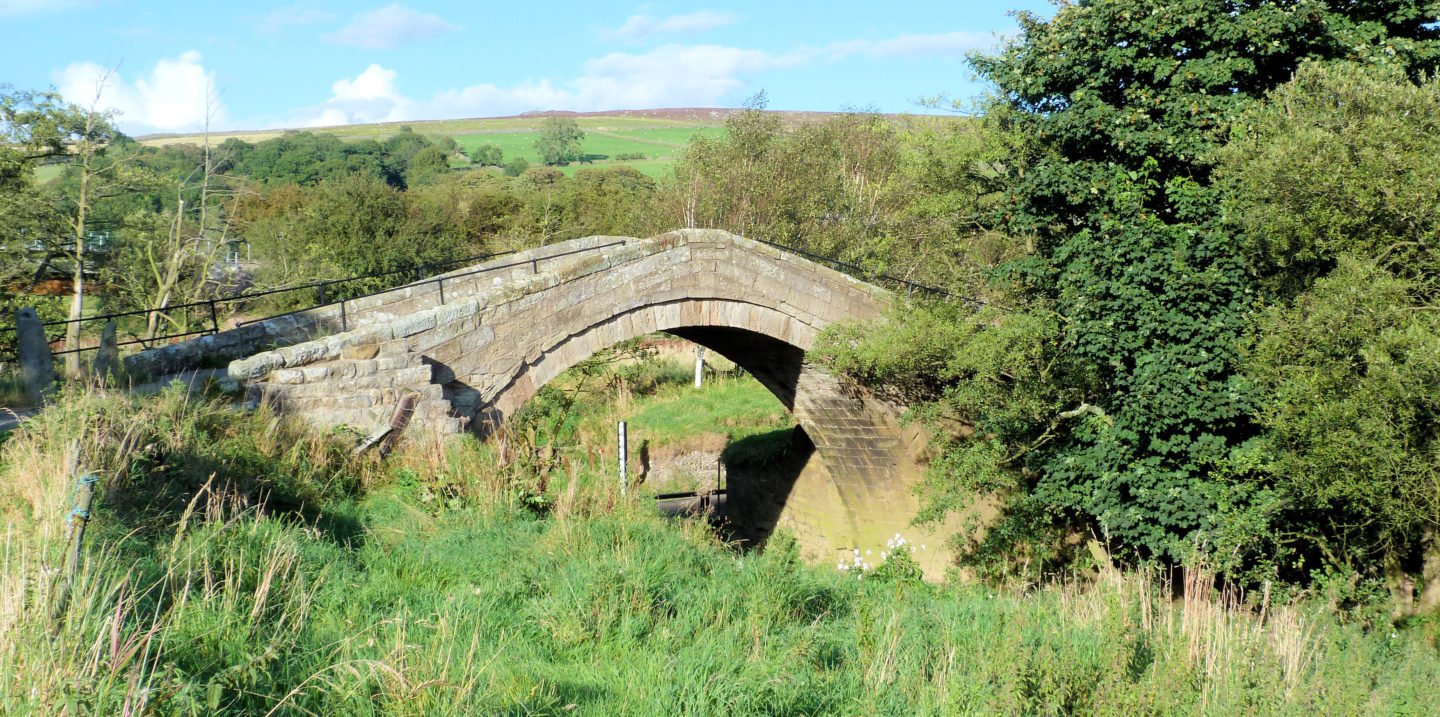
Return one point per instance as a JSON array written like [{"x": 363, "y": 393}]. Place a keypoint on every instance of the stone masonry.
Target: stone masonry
[{"x": 477, "y": 348}]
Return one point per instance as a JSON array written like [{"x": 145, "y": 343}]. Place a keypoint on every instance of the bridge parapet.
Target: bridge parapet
[
  {"x": 311, "y": 324},
  {"x": 502, "y": 333}
]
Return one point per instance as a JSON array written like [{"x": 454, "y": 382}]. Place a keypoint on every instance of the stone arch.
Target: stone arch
[
  {"x": 767, "y": 343},
  {"x": 480, "y": 356}
]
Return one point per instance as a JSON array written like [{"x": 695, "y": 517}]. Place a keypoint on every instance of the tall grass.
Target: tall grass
[
  {"x": 12, "y": 390},
  {"x": 272, "y": 574}
]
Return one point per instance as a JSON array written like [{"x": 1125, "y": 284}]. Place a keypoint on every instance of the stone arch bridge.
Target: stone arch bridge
[{"x": 476, "y": 343}]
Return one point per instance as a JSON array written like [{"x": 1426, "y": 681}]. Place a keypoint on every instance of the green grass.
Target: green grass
[
  {"x": 660, "y": 140},
  {"x": 430, "y": 584},
  {"x": 12, "y": 390},
  {"x": 735, "y": 407},
  {"x": 658, "y": 401},
  {"x": 46, "y": 173},
  {"x": 660, "y": 145}
]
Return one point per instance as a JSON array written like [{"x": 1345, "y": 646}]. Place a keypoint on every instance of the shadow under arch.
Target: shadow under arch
[
  {"x": 753, "y": 343},
  {"x": 757, "y": 499},
  {"x": 768, "y": 344},
  {"x": 476, "y": 360}
]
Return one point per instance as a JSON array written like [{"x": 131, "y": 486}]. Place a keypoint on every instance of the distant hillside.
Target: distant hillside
[
  {"x": 648, "y": 140},
  {"x": 627, "y": 119}
]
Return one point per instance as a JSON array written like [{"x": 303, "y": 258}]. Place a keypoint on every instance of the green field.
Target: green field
[
  {"x": 47, "y": 173},
  {"x": 456, "y": 128},
  {"x": 658, "y": 138},
  {"x": 660, "y": 145}
]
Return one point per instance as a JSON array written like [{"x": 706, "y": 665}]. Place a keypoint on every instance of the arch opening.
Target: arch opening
[{"x": 730, "y": 449}]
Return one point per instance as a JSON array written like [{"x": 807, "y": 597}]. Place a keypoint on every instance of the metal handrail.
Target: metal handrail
[
  {"x": 214, "y": 328},
  {"x": 270, "y": 292},
  {"x": 440, "y": 280},
  {"x": 211, "y": 304},
  {"x": 911, "y": 286}
]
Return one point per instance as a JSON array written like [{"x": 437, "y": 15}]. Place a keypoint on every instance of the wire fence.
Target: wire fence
[
  {"x": 206, "y": 314},
  {"x": 910, "y": 287}
]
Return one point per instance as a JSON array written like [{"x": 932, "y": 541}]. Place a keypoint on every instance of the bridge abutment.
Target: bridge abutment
[{"x": 502, "y": 335}]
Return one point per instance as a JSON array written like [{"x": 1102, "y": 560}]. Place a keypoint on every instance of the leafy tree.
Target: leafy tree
[
  {"x": 1344, "y": 159},
  {"x": 1120, "y": 106},
  {"x": 35, "y": 128},
  {"x": 517, "y": 167},
  {"x": 616, "y": 201},
  {"x": 400, "y": 147},
  {"x": 476, "y": 207},
  {"x": 1352, "y": 421},
  {"x": 559, "y": 141},
  {"x": 426, "y": 165},
  {"x": 860, "y": 186},
  {"x": 1330, "y": 187},
  {"x": 171, "y": 231},
  {"x": 309, "y": 158},
  {"x": 487, "y": 155},
  {"x": 40, "y": 125},
  {"x": 269, "y": 222},
  {"x": 354, "y": 226}
]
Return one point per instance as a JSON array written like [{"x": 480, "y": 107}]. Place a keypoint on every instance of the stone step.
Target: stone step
[
  {"x": 344, "y": 399},
  {"x": 334, "y": 387},
  {"x": 402, "y": 370}
]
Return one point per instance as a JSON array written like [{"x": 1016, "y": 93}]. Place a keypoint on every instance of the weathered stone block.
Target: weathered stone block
[
  {"x": 360, "y": 353},
  {"x": 37, "y": 364},
  {"x": 288, "y": 376}
]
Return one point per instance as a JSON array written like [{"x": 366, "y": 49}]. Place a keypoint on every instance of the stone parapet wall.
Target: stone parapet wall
[
  {"x": 380, "y": 308},
  {"x": 501, "y": 335}
]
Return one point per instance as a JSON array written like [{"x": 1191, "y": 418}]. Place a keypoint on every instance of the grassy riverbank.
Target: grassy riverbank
[{"x": 240, "y": 565}]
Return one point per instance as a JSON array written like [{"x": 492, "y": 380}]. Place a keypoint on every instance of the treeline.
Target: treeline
[
  {"x": 1221, "y": 342},
  {"x": 157, "y": 227},
  {"x": 307, "y": 158},
  {"x": 161, "y": 224}
]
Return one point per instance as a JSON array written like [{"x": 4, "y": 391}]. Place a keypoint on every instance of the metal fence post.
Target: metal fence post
[
  {"x": 75, "y": 523},
  {"x": 624, "y": 476}
]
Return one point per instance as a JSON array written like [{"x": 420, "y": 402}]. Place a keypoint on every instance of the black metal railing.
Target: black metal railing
[
  {"x": 210, "y": 313},
  {"x": 210, "y": 316},
  {"x": 860, "y": 272},
  {"x": 439, "y": 281}
]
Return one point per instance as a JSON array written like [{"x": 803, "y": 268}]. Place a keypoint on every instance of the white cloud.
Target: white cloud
[
  {"x": 391, "y": 26},
  {"x": 284, "y": 18},
  {"x": 918, "y": 45},
  {"x": 328, "y": 117},
  {"x": 172, "y": 96},
  {"x": 673, "y": 75},
  {"x": 372, "y": 96},
  {"x": 35, "y": 7},
  {"x": 641, "y": 27},
  {"x": 669, "y": 76}
]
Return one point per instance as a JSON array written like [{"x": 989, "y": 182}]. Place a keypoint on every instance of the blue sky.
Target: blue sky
[{"x": 297, "y": 63}]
